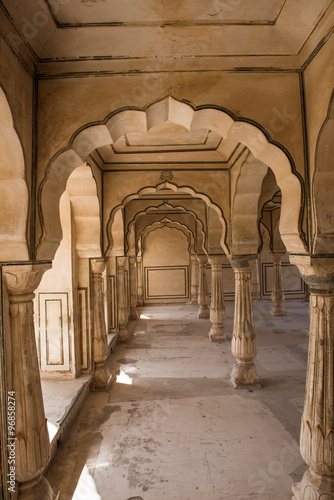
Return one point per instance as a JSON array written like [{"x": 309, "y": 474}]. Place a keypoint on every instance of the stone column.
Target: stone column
[
  {"x": 217, "y": 309},
  {"x": 256, "y": 284},
  {"x": 194, "y": 279},
  {"x": 101, "y": 377},
  {"x": 317, "y": 429},
  {"x": 243, "y": 339},
  {"x": 140, "y": 298},
  {"x": 32, "y": 448},
  {"x": 277, "y": 295},
  {"x": 203, "y": 297},
  {"x": 122, "y": 300},
  {"x": 133, "y": 288}
]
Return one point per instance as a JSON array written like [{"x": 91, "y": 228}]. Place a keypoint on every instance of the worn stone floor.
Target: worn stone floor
[{"x": 173, "y": 427}]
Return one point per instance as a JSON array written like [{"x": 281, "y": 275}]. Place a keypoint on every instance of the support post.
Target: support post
[
  {"x": 317, "y": 428},
  {"x": 243, "y": 339},
  {"x": 101, "y": 377},
  {"x": 140, "y": 298},
  {"x": 133, "y": 288},
  {"x": 217, "y": 309},
  {"x": 122, "y": 300},
  {"x": 194, "y": 279},
  {"x": 256, "y": 284},
  {"x": 203, "y": 296},
  {"x": 277, "y": 295},
  {"x": 31, "y": 438}
]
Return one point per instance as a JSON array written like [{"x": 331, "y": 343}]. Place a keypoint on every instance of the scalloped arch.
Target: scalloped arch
[
  {"x": 176, "y": 189},
  {"x": 155, "y": 210},
  {"x": 142, "y": 120},
  {"x": 170, "y": 225}
]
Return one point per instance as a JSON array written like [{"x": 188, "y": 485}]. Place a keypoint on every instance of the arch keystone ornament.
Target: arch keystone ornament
[{"x": 317, "y": 428}]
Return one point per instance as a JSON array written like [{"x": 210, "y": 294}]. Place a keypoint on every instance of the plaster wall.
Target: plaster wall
[{"x": 166, "y": 266}]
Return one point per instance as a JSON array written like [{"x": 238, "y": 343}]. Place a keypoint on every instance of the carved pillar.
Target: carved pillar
[
  {"x": 140, "y": 298},
  {"x": 194, "y": 279},
  {"x": 102, "y": 377},
  {"x": 133, "y": 288},
  {"x": 203, "y": 296},
  {"x": 317, "y": 428},
  {"x": 243, "y": 338},
  {"x": 277, "y": 295},
  {"x": 217, "y": 309},
  {"x": 32, "y": 447},
  {"x": 256, "y": 284},
  {"x": 122, "y": 300}
]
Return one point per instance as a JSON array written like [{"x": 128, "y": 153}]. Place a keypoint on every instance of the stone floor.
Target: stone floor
[{"x": 173, "y": 427}]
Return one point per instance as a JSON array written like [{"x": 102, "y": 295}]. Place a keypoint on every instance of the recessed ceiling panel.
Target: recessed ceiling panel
[{"x": 81, "y": 12}]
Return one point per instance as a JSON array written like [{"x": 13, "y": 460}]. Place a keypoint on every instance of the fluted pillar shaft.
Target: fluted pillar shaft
[
  {"x": 140, "y": 298},
  {"x": 203, "y": 296},
  {"x": 30, "y": 437},
  {"x": 317, "y": 429},
  {"x": 122, "y": 299},
  {"x": 217, "y": 309},
  {"x": 243, "y": 339},
  {"x": 256, "y": 284},
  {"x": 277, "y": 295},
  {"x": 133, "y": 287},
  {"x": 102, "y": 376},
  {"x": 194, "y": 279}
]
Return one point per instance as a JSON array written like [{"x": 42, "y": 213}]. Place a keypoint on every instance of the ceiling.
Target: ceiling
[{"x": 80, "y": 36}]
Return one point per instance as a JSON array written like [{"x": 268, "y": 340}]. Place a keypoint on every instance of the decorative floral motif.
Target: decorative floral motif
[{"x": 166, "y": 175}]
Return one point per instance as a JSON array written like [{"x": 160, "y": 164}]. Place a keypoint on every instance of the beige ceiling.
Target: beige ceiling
[{"x": 124, "y": 35}]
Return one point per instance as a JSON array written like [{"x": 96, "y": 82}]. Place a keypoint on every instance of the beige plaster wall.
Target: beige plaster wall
[
  {"x": 18, "y": 86},
  {"x": 319, "y": 85},
  {"x": 166, "y": 266}
]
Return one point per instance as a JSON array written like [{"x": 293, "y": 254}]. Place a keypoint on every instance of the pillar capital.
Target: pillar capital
[
  {"x": 216, "y": 260},
  {"x": 202, "y": 258},
  {"x": 122, "y": 262},
  {"x": 98, "y": 265},
  {"x": 317, "y": 272},
  {"x": 242, "y": 261},
  {"x": 23, "y": 279}
]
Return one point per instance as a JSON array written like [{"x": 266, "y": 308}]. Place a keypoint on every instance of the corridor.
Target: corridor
[{"x": 173, "y": 427}]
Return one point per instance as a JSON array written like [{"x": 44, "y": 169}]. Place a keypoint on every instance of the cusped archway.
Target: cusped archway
[{"x": 168, "y": 110}]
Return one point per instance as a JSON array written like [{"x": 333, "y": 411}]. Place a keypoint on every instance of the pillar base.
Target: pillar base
[
  {"x": 194, "y": 299},
  {"x": 37, "y": 488},
  {"x": 123, "y": 334},
  {"x": 314, "y": 486},
  {"x": 133, "y": 314},
  {"x": 102, "y": 379},
  {"x": 278, "y": 311},
  {"x": 217, "y": 332},
  {"x": 204, "y": 312},
  {"x": 244, "y": 375},
  {"x": 140, "y": 302}
]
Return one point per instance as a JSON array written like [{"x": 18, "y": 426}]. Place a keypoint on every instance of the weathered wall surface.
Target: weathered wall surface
[{"x": 166, "y": 266}]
